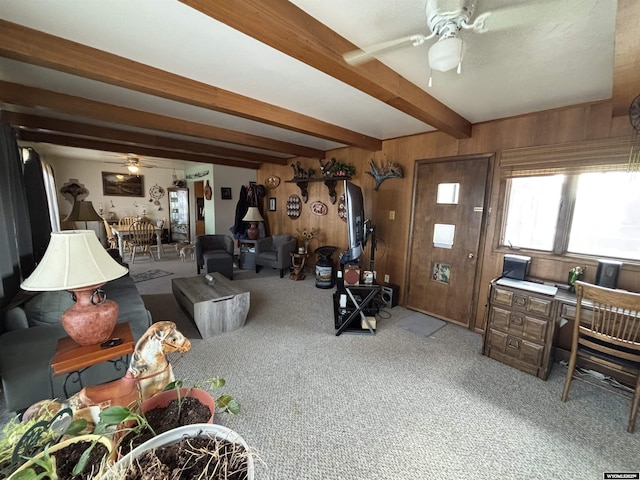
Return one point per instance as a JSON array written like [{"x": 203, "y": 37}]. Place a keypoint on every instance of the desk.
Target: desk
[
  {"x": 122, "y": 232},
  {"x": 359, "y": 299},
  {"x": 73, "y": 359}
]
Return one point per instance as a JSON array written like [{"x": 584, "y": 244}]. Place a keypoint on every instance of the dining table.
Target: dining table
[{"x": 122, "y": 232}]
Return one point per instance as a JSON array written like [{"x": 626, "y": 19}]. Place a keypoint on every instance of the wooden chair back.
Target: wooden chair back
[
  {"x": 607, "y": 332},
  {"x": 127, "y": 220},
  {"x": 141, "y": 237},
  {"x": 111, "y": 238}
]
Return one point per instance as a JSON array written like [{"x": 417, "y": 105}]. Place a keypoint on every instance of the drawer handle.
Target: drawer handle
[
  {"x": 521, "y": 301},
  {"x": 517, "y": 320},
  {"x": 513, "y": 343}
]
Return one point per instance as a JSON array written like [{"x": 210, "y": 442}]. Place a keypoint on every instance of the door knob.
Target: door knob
[{"x": 471, "y": 255}]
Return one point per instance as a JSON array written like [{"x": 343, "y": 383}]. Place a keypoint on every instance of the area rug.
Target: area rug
[
  {"x": 163, "y": 306},
  {"x": 149, "y": 275},
  {"x": 421, "y": 324}
]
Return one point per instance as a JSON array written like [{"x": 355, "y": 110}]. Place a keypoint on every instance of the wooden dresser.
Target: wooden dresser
[{"x": 521, "y": 325}]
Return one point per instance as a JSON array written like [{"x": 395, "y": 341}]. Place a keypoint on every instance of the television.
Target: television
[{"x": 358, "y": 227}]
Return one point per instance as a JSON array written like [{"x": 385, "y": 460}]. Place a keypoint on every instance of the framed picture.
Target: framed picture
[
  {"x": 225, "y": 193},
  {"x": 122, "y": 185},
  {"x": 272, "y": 204}
]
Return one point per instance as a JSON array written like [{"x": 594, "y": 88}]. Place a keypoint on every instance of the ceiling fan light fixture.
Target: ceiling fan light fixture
[
  {"x": 446, "y": 53},
  {"x": 132, "y": 169}
]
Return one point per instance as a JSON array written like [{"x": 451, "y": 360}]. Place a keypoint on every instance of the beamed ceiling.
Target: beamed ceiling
[{"x": 247, "y": 82}]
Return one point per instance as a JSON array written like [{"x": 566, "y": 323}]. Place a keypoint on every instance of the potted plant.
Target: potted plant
[
  {"x": 81, "y": 457},
  {"x": 175, "y": 406},
  {"x": 193, "y": 451}
]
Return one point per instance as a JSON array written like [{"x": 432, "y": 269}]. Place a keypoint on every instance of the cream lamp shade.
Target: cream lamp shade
[
  {"x": 76, "y": 261},
  {"x": 253, "y": 216}
]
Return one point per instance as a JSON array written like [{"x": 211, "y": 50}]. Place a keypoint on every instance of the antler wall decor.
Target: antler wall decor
[{"x": 390, "y": 170}]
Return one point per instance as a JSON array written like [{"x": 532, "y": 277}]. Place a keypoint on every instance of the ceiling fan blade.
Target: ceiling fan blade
[
  {"x": 514, "y": 17},
  {"x": 357, "y": 57}
]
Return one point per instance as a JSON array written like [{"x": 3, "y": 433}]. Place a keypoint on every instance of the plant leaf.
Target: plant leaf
[
  {"x": 76, "y": 426},
  {"x": 114, "y": 415},
  {"x": 216, "y": 383},
  {"x": 228, "y": 403}
]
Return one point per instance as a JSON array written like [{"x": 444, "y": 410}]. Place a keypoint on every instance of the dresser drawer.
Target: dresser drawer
[
  {"x": 518, "y": 324},
  {"x": 502, "y": 345},
  {"x": 526, "y": 302}
]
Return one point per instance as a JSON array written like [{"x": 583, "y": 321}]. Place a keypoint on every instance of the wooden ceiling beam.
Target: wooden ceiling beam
[
  {"x": 626, "y": 71},
  {"x": 78, "y": 142},
  {"x": 32, "y": 46},
  {"x": 285, "y": 27},
  {"x": 96, "y": 132},
  {"x": 17, "y": 94}
]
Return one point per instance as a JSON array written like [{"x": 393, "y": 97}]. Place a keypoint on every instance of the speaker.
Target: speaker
[
  {"x": 607, "y": 273},
  {"x": 389, "y": 295}
]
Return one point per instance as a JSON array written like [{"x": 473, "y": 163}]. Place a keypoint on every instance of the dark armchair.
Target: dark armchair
[
  {"x": 214, "y": 253},
  {"x": 275, "y": 252}
]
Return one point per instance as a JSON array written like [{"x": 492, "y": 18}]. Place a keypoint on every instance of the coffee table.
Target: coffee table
[{"x": 216, "y": 308}]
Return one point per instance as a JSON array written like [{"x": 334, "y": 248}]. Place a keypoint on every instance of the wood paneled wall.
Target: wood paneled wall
[{"x": 571, "y": 124}]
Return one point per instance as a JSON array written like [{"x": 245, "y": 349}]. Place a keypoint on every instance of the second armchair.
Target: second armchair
[{"x": 275, "y": 252}]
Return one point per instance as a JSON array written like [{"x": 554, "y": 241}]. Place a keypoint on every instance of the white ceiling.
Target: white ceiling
[{"x": 536, "y": 55}]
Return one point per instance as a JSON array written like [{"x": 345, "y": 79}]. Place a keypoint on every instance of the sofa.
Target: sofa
[{"x": 30, "y": 329}]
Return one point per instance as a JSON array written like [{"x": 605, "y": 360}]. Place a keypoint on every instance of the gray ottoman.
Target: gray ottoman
[{"x": 219, "y": 261}]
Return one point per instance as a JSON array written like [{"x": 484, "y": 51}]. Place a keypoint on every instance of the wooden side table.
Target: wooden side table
[
  {"x": 73, "y": 359},
  {"x": 297, "y": 262}
]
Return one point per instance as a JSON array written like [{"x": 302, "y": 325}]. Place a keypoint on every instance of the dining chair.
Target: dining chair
[
  {"x": 111, "y": 238},
  {"x": 126, "y": 221},
  {"x": 161, "y": 225},
  {"x": 141, "y": 236},
  {"x": 607, "y": 333}
]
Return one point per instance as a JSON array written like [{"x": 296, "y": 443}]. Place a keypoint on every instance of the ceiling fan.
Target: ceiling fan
[
  {"x": 445, "y": 18},
  {"x": 132, "y": 163}
]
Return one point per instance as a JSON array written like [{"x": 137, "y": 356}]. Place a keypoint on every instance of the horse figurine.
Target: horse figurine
[{"x": 148, "y": 373}]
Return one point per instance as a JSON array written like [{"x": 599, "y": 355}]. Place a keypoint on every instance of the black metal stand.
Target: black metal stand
[{"x": 357, "y": 313}]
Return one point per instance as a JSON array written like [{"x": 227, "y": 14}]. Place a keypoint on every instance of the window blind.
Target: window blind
[{"x": 608, "y": 154}]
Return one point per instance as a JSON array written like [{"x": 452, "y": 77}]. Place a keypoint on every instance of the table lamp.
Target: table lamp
[
  {"x": 253, "y": 216},
  {"x": 75, "y": 261},
  {"x": 83, "y": 212}
]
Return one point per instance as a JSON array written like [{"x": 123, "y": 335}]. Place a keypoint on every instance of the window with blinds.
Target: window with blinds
[{"x": 572, "y": 198}]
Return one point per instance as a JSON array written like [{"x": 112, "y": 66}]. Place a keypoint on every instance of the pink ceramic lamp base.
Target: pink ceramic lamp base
[
  {"x": 90, "y": 323},
  {"x": 253, "y": 231}
]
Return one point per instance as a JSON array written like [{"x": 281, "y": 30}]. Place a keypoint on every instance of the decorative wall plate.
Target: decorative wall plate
[
  {"x": 318, "y": 208},
  {"x": 342, "y": 208},
  {"x": 294, "y": 206},
  {"x": 272, "y": 182}
]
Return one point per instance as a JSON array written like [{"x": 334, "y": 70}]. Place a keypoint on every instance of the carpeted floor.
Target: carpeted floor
[
  {"x": 394, "y": 405},
  {"x": 149, "y": 275}
]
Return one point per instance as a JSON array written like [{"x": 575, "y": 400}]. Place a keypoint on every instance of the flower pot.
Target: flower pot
[
  {"x": 60, "y": 446},
  {"x": 173, "y": 436},
  {"x": 162, "y": 399}
]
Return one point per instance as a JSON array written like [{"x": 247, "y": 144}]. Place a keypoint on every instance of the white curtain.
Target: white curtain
[{"x": 50, "y": 191}]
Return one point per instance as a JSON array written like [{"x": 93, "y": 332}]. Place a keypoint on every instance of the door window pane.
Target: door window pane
[
  {"x": 606, "y": 217},
  {"x": 448, "y": 193},
  {"x": 532, "y": 213}
]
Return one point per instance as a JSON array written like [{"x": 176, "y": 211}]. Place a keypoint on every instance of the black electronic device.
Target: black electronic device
[
  {"x": 516, "y": 266},
  {"x": 607, "y": 273},
  {"x": 112, "y": 342}
]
